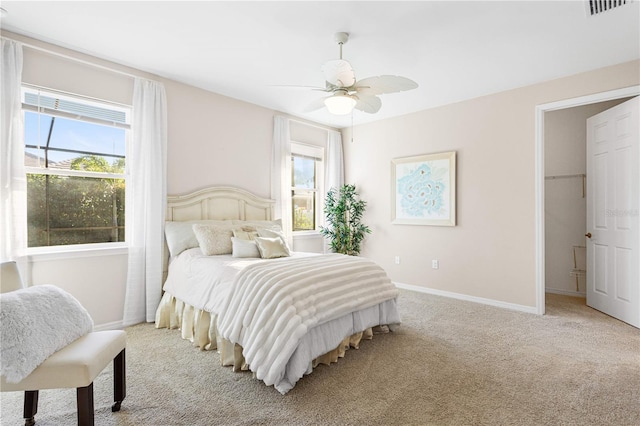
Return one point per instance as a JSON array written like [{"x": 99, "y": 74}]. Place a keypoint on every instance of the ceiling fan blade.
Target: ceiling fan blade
[
  {"x": 339, "y": 73},
  {"x": 316, "y": 104},
  {"x": 367, "y": 103},
  {"x": 384, "y": 84}
]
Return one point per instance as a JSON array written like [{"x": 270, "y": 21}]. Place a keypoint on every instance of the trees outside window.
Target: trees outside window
[
  {"x": 303, "y": 193},
  {"x": 306, "y": 183}
]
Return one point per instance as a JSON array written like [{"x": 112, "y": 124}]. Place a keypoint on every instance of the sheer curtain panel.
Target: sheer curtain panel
[
  {"x": 334, "y": 168},
  {"x": 281, "y": 175},
  {"x": 13, "y": 179},
  {"x": 146, "y": 201}
]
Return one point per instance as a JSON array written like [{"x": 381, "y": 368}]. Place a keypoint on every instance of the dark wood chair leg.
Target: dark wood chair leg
[
  {"x": 119, "y": 381},
  {"x": 30, "y": 407},
  {"x": 85, "y": 405}
]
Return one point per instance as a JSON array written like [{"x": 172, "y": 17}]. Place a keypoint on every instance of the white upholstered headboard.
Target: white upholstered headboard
[{"x": 219, "y": 203}]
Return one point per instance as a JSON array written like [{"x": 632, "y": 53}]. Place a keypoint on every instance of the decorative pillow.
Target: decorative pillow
[
  {"x": 271, "y": 248},
  {"x": 270, "y": 224},
  {"x": 247, "y": 233},
  {"x": 214, "y": 240},
  {"x": 244, "y": 248},
  {"x": 271, "y": 233},
  {"x": 180, "y": 236},
  {"x": 36, "y": 322}
]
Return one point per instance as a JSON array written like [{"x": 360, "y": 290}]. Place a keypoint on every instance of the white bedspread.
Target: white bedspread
[
  {"x": 204, "y": 281},
  {"x": 284, "y": 312},
  {"x": 272, "y": 305}
]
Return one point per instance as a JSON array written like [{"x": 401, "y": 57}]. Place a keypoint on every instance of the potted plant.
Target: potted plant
[{"x": 343, "y": 211}]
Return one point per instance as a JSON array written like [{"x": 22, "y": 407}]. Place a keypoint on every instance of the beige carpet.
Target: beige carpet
[{"x": 452, "y": 363}]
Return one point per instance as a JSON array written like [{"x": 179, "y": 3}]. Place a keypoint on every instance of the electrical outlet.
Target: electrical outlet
[
  {"x": 435, "y": 264},
  {"x": 397, "y": 260}
]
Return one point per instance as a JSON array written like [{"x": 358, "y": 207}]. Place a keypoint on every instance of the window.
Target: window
[
  {"x": 75, "y": 153},
  {"x": 306, "y": 178}
]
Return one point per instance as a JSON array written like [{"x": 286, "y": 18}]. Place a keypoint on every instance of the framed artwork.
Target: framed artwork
[{"x": 423, "y": 190}]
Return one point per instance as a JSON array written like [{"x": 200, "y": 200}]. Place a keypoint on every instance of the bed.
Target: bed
[{"x": 234, "y": 286}]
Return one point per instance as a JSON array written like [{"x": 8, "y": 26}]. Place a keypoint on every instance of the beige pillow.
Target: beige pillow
[
  {"x": 271, "y": 224},
  {"x": 244, "y": 248},
  {"x": 245, "y": 234},
  {"x": 271, "y": 248},
  {"x": 213, "y": 240}
]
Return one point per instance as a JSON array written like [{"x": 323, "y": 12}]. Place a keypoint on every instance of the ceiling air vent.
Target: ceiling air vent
[{"x": 596, "y": 7}]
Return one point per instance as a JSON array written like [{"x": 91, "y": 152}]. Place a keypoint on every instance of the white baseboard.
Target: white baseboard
[
  {"x": 566, "y": 292},
  {"x": 115, "y": 325},
  {"x": 481, "y": 300}
]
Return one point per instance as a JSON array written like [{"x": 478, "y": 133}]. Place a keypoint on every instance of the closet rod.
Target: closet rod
[
  {"x": 581, "y": 175},
  {"x": 71, "y": 58}
]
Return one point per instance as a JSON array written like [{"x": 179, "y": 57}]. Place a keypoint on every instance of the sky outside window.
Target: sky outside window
[{"x": 72, "y": 135}]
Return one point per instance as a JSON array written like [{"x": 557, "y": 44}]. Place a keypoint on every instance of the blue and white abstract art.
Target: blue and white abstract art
[{"x": 424, "y": 190}]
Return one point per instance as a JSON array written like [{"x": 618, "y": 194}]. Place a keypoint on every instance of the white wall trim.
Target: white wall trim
[
  {"x": 115, "y": 325},
  {"x": 467, "y": 298},
  {"x": 539, "y": 174},
  {"x": 566, "y": 292},
  {"x": 74, "y": 252},
  {"x": 307, "y": 235}
]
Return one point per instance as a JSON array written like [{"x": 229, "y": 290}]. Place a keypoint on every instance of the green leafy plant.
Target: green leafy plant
[{"x": 343, "y": 211}]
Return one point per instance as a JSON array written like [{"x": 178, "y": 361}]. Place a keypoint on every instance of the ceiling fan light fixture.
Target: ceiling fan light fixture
[{"x": 340, "y": 104}]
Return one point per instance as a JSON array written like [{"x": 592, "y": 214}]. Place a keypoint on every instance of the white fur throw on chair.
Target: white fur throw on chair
[{"x": 36, "y": 322}]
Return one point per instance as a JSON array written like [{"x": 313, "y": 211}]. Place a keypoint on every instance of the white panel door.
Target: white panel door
[{"x": 613, "y": 212}]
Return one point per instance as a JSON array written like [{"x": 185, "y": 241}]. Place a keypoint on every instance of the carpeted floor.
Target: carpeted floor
[{"x": 451, "y": 363}]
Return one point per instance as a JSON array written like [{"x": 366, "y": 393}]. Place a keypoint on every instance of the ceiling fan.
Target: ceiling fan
[{"x": 347, "y": 93}]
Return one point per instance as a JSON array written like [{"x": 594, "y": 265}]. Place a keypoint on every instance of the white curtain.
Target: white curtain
[
  {"x": 334, "y": 167},
  {"x": 334, "y": 170},
  {"x": 281, "y": 175},
  {"x": 13, "y": 180},
  {"x": 146, "y": 201}
]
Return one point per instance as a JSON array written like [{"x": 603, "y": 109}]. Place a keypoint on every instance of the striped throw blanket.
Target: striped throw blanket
[{"x": 273, "y": 304}]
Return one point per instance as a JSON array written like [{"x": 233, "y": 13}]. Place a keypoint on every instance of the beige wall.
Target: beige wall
[
  {"x": 491, "y": 253},
  {"x": 216, "y": 140}
]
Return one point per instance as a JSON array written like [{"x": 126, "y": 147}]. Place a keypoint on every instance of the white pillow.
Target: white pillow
[
  {"x": 272, "y": 233},
  {"x": 180, "y": 236},
  {"x": 36, "y": 322},
  {"x": 271, "y": 248},
  {"x": 244, "y": 248},
  {"x": 213, "y": 240}
]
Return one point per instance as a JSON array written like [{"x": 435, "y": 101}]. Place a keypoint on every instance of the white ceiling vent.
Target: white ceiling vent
[{"x": 596, "y": 7}]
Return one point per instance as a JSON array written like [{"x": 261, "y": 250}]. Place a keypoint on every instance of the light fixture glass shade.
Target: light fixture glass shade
[{"x": 340, "y": 104}]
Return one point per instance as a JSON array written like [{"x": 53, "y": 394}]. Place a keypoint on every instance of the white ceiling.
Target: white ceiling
[{"x": 454, "y": 50}]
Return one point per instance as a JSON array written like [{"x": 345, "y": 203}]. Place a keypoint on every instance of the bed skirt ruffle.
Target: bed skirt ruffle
[{"x": 200, "y": 328}]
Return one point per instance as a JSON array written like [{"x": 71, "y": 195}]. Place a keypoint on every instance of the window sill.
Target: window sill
[
  {"x": 303, "y": 235},
  {"x": 38, "y": 254}
]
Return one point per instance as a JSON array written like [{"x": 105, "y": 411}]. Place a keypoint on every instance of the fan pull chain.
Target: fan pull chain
[{"x": 351, "y": 126}]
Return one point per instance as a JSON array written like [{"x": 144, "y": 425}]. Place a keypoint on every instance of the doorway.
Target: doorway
[
  {"x": 541, "y": 173},
  {"x": 565, "y": 159}
]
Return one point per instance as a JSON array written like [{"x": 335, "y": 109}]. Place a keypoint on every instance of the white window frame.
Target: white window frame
[
  {"x": 73, "y": 250},
  {"x": 300, "y": 149}
]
